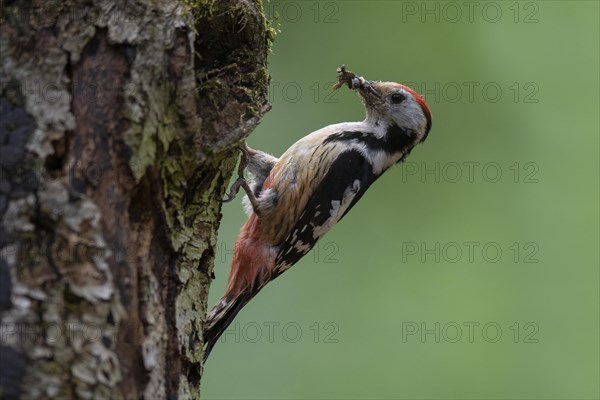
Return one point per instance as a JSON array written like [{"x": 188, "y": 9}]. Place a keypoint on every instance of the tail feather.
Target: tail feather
[
  {"x": 221, "y": 316},
  {"x": 252, "y": 267}
]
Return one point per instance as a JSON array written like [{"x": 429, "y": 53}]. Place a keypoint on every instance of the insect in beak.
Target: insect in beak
[{"x": 354, "y": 82}]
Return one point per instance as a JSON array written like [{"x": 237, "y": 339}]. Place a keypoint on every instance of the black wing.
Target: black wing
[{"x": 348, "y": 179}]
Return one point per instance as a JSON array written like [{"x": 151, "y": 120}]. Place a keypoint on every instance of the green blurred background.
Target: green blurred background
[{"x": 471, "y": 271}]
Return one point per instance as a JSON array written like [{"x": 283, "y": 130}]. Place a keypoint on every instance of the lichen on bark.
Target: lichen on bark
[{"x": 121, "y": 120}]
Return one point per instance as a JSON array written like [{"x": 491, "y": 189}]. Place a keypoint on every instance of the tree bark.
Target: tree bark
[{"x": 119, "y": 127}]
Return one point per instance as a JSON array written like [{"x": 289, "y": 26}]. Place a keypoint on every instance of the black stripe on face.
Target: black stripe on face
[
  {"x": 396, "y": 139},
  {"x": 427, "y": 129},
  {"x": 349, "y": 167}
]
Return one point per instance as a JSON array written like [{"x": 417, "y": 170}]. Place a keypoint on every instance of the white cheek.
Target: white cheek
[{"x": 410, "y": 116}]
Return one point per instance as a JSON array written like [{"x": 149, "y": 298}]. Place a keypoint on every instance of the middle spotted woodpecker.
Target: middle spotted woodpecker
[{"x": 294, "y": 200}]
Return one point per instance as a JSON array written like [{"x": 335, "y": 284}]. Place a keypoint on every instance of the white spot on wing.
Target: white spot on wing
[{"x": 302, "y": 247}]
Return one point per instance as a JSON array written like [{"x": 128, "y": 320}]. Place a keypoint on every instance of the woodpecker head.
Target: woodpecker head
[
  {"x": 391, "y": 104},
  {"x": 396, "y": 104}
]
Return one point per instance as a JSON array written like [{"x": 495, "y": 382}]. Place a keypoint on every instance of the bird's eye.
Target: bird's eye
[{"x": 397, "y": 98}]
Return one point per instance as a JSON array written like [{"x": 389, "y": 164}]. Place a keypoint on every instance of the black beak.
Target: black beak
[{"x": 368, "y": 91}]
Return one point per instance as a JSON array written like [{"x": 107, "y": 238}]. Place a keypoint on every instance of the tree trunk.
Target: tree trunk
[{"x": 119, "y": 126}]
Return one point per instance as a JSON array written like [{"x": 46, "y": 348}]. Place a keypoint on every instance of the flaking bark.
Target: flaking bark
[{"x": 119, "y": 123}]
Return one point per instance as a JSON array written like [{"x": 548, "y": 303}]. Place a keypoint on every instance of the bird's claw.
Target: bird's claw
[
  {"x": 244, "y": 149},
  {"x": 235, "y": 188}
]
